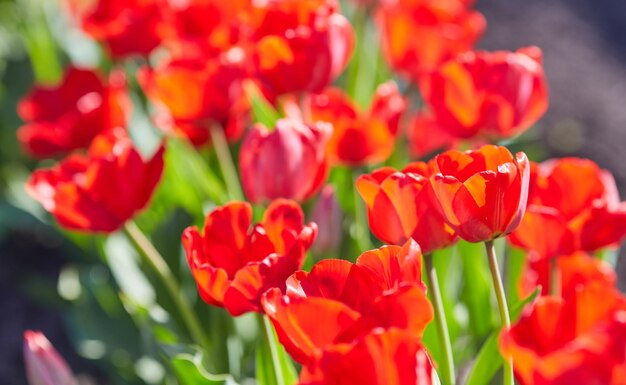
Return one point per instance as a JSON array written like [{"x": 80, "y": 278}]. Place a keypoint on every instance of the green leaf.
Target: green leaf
[
  {"x": 489, "y": 360},
  {"x": 189, "y": 369},
  {"x": 265, "y": 370},
  {"x": 262, "y": 110}
]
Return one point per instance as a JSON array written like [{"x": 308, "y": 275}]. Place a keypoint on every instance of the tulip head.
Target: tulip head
[{"x": 44, "y": 366}]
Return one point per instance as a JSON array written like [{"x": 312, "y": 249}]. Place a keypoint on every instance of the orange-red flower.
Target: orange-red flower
[
  {"x": 68, "y": 116},
  {"x": 579, "y": 339},
  {"x": 574, "y": 271},
  {"x": 360, "y": 138},
  {"x": 572, "y": 205},
  {"x": 100, "y": 191},
  {"x": 483, "y": 193},
  {"x": 288, "y": 162},
  {"x": 488, "y": 94},
  {"x": 300, "y": 46},
  {"x": 194, "y": 92},
  {"x": 234, "y": 263},
  {"x": 402, "y": 205},
  {"x": 382, "y": 290},
  {"x": 125, "y": 27},
  {"x": 426, "y": 136},
  {"x": 382, "y": 357},
  {"x": 419, "y": 35}
]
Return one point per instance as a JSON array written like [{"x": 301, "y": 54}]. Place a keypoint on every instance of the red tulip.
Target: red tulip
[
  {"x": 383, "y": 357},
  {"x": 426, "y": 136},
  {"x": 125, "y": 27},
  {"x": 68, "y": 116},
  {"x": 328, "y": 216},
  {"x": 234, "y": 264},
  {"x": 382, "y": 290},
  {"x": 572, "y": 205},
  {"x": 195, "y": 92},
  {"x": 44, "y": 366},
  {"x": 402, "y": 205},
  {"x": 419, "y": 35},
  {"x": 575, "y": 271},
  {"x": 300, "y": 46},
  {"x": 488, "y": 94},
  {"x": 483, "y": 193},
  {"x": 100, "y": 191},
  {"x": 576, "y": 340},
  {"x": 360, "y": 138},
  {"x": 288, "y": 162}
]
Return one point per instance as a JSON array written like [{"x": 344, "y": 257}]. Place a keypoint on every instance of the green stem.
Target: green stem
[
  {"x": 150, "y": 255},
  {"x": 269, "y": 338},
  {"x": 555, "y": 278},
  {"x": 447, "y": 363},
  {"x": 360, "y": 217},
  {"x": 224, "y": 158},
  {"x": 502, "y": 305}
]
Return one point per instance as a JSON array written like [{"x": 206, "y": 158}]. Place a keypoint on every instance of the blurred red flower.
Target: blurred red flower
[
  {"x": 328, "y": 216},
  {"x": 299, "y": 46},
  {"x": 382, "y": 357},
  {"x": 426, "y": 136},
  {"x": 575, "y": 270},
  {"x": 572, "y": 205},
  {"x": 125, "y": 27},
  {"x": 234, "y": 264},
  {"x": 44, "y": 366},
  {"x": 419, "y": 35},
  {"x": 483, "y": 193},
  {"x": 360, "y": 138},
  {"x": 68, "y": 116},
  {"x": 488, "y": 94},
  {"x": 382, "y": 290},
  {"x": 100, "y": 191},
  {"x": 286, "y": 162},
  {"x": 402, "y": 205},
  {"x": 579, "y": 339},
  {"x": 194, "y": 92}
]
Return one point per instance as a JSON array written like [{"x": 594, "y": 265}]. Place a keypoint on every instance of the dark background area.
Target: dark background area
[{"x": 584, "y": 45}]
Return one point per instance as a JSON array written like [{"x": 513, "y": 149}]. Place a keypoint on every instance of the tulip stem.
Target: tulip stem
[
  {"x": 361, "y": 233},
  {"x": 269, "y": 338},
  {"x": 447, "y": 363},
  {"x": 502, "y": 305},
  {"x": 153, "y": 258},
  {"x": 555, "y": 278},
  {"x": 227, "y": 165}
]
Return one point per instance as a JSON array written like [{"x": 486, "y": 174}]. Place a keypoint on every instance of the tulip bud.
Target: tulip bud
[
  {"x": 44, "y": 366},
  {"x": 328, "y": 216}
]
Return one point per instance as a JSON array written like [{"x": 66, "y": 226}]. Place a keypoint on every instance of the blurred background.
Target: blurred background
[{"x": 584, "y": 45}]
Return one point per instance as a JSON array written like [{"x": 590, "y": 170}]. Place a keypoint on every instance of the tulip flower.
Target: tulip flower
[
  {"x": 287, "y": 162},
  {"x": 572, "y": 205},
  {"x": 575, "y": 271},
  {"x": 383, "y": 357},
  {"x": 234, "y": 264},
  {"x": 419, "y": 35},
  {"x": 194, "y": 92},
  {"x": 491, "y": 95},
  {"x": 328, "y": 216},
  {"x": 68, "y": 116},
  {"x": 100, "y": 191},
  {"x": 118, "y": 23},
  {"x": 575, "y": 340},
  {"x": 402, "y": 205},
  {"x": 360, "y": 138},
  {"x": 382, "y": 290},
  {"x": 483, "y": 193},
  {"x": 300, "y": 46},
  {"x": 425, "y": 136},
  {"x": 44, "y": 366}
]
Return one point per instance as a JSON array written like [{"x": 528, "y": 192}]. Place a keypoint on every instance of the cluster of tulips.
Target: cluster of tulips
[{"x": 259, "y": 72}]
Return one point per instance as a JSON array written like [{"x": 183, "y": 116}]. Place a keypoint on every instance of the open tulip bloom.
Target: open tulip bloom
[{"x": 257, "y": 158}]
